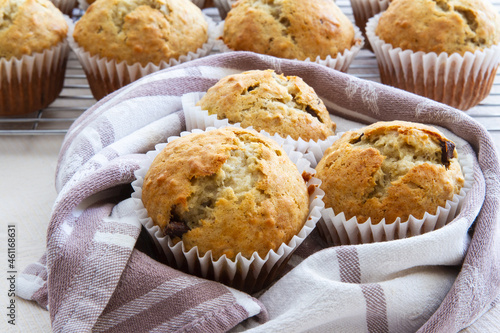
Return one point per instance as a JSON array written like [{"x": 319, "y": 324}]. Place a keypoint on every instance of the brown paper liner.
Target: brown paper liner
[
  {"x": 32, "y": 82},
  {"x": 458, "y": 81},
  {"x": 65, "y": 6},
  {"x": 363, "y": 10}
]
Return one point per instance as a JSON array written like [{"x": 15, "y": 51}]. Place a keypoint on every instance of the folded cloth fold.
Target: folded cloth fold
[{"x": 94, "y": 277}]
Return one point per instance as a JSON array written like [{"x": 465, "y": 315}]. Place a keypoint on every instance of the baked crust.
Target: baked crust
[
  {"x": 141, "y": 31},
  {"x": 29, "y": 26},
  {"x": 234, "y": 189},
  {"x": 440, "y": 25},
  {"x": 389, "y": 170},
  {"x": 274, "y": 103},
  {"x": 293, "y": 29}
]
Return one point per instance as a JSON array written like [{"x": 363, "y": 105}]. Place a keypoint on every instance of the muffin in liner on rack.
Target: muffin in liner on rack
[
  {"x": 307, "y": 30},
  {"x": 227, "y": 204},
  {"x": 33, "y": 55},
  {"x": 455, "y": 65},
  {"x": 389, "y": 180},
  {"x": 120, "y": 41},
  {"x": 265, "y": 100}
]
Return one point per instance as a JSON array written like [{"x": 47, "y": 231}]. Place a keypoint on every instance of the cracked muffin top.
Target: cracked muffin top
[
  {"x": 389, "y": 170},
  {"x": 292, "y": 29},
  {"x": 440, "y": 25},
  {"x": 141, "y": 31},
  {"x": 29, "y": 26},
  {"x": 228, "y": 190},
  {"x": 280, "y": 104}
]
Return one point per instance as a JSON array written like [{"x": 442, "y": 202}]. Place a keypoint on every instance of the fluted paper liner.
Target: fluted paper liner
[
  {"x": 65, "y": 6},
  {"x": 224, "y": 6},
  {"x": 341, "y": 62},
  {"x": 337, "y": 230},
  {"x": 363, "y": 10},
  {"x": 459, "y": 81},
  {"x": 249, "y": 275},
  {"x": 107, "y": 75},
  {"x": 34, "y": 81}
]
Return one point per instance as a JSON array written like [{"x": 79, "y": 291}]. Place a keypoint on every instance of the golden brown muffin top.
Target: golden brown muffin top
[
  {"x": 29, "y": 26},
  {"x": 229, "y": 190},
  {"x": 143, "y": 31},
  {"x": 440, "y": 25},
  {"x": 390, "y": 170},
  {"x": 274, "y": 103},
  {"x": 293, "y": 29}
]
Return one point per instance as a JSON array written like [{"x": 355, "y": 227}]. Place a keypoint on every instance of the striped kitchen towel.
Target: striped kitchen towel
[{"x": 99, "y": 274}]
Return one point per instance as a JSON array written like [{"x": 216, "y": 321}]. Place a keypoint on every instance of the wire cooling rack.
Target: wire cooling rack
[{"x": 76, "y": 96}]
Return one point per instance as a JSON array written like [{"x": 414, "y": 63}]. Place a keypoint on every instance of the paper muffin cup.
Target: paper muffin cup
[
  {"x": 224, "y": 6},
  {"x": 107, "y": 75},
  {"x": 246, "y": 274},
  {"x": 197, "y": 118},
  {"x": 341, "y": 62},
  {"x": 459, "y": 81},
  {"x": 32, "y": 82},
  {"x": 337, "y": 230},
  {"x": 65, "y": 6},
  {"x": 199, "y": 3},
  {"x": 363, "y": 10}
]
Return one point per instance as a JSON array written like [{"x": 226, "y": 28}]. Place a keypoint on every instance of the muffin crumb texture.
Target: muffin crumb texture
[
  {"x": 390, "y": 170},
  {"x": 280, "y": 104},
  {"x": 229, "y": 191},
  {"x": 141, "y": 31},
  {"x": 440, "y": 25},
  {"x": 29, "y": 26},
  {"x": 293, "y": 29}
]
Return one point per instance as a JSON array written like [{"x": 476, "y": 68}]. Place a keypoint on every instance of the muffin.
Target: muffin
[
  {"x": 119, "y": 41},
  {"x": 227, "y": 191},
  {"x": 389, "y": 180},
  {"x": 363, "y": 10},
  {"x": 33, "y": 55},
  {"x": 277, "y": 104},
  {"x": 444, "y": 50},
  {"x": 292, "y": 29}
]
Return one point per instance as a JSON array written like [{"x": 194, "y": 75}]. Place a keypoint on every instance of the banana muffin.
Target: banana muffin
[
  {"x": 292, "y": 29},
  {"x": 440, "y": 26},
  {"x": 33, "y": 49},
  {"x": 446, "y": 50},
  {"x": 389, "y": 170},
  {"x": 141, "y": 31},
  {"x": 280, "y": 104},
  {"x": 228, "y": 191}
]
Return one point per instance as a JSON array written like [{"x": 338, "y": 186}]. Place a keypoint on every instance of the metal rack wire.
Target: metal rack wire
[{"x": 76, "y": 96}]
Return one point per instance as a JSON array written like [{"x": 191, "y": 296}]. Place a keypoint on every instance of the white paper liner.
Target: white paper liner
[
  {"x": 336, "y": 230},
  {"x": 363, "y": 10},
  {"x": 107, "y": 75},
  {"x": 197, "y": 118},
  {"x": 341, "y": 62},
  {"x": 65, "y": 6},
  {"x": 33, "y": 81},
  {"x": 459, "y": 81},
  {"x": 249, "y": 275}
]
